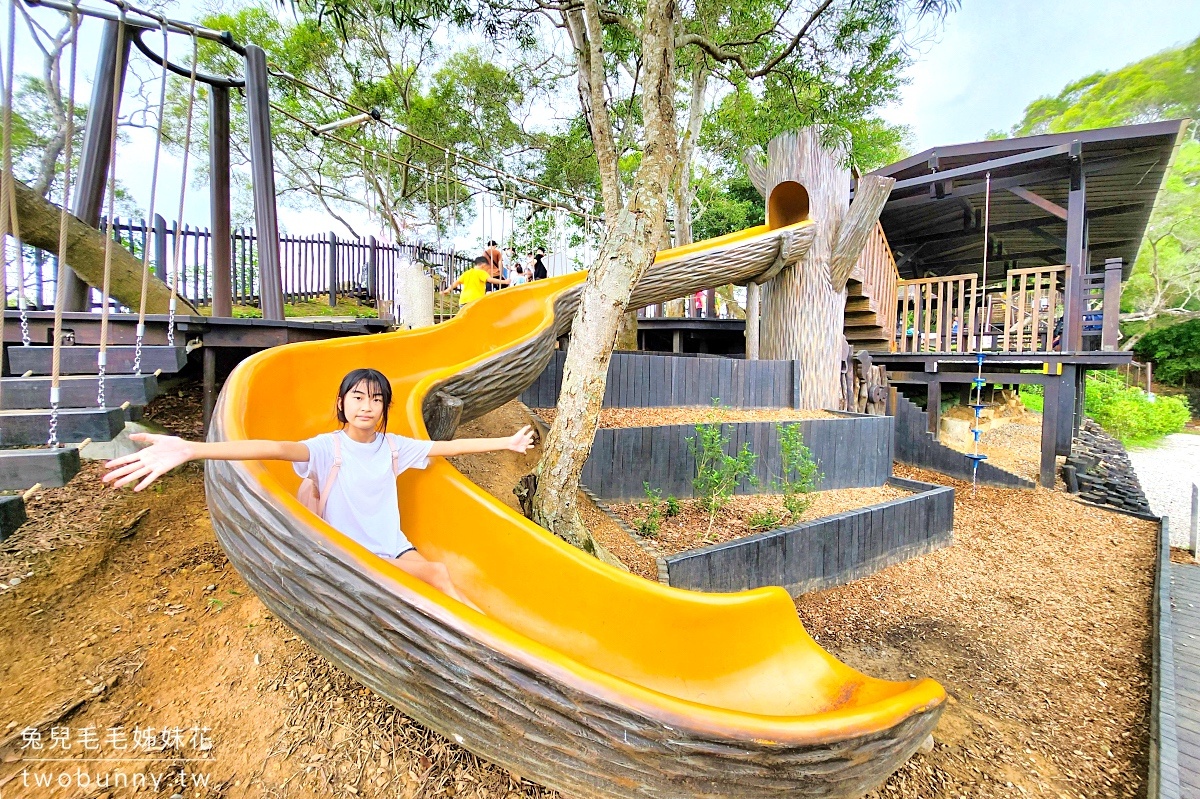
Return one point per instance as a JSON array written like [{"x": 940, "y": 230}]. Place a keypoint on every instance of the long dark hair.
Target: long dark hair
[{"x": 376, "y": 384}]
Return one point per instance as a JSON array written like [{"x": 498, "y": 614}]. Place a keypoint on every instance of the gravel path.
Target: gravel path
[{"x": 1167, "y": 473}]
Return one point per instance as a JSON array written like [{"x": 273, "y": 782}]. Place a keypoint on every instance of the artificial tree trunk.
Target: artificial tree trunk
[
  {"x": 629, "y": 247},
  {"x": 803, "y": 307}
]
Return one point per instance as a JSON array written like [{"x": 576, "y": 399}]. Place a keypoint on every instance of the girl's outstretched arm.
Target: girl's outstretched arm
[
  {"x": 167, "y": 452},
  {"x": 519, "y": 441}
]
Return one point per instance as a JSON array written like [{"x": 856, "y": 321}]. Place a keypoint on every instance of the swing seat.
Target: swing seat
[{"x": 580, "y": 676}]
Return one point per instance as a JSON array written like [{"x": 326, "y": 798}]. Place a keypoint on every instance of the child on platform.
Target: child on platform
[
  {"x": 474, "y": 282},
  {"x": 359, "y": 500}
]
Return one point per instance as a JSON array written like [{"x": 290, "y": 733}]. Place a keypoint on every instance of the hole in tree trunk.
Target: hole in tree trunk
[{"x": 788, "y": 205}]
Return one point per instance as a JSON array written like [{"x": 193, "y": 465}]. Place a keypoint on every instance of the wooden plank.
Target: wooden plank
[
  {"x": 725, "y": 381},
  {"x": 1050, "y": 292},
  {"x": 942, "y": 326},
  {"x": 1020, "y": 327}
]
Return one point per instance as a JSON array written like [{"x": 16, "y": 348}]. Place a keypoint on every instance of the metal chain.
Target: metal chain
[{"x": 187, "y": 146}]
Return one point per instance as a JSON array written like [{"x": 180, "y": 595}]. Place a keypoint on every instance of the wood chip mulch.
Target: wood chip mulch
[
  {"x": 661, "y": 417},
  {"x": 1015, "y": 447},
  {"x": 690, "y": 529},
  {"x": 1037, "y": 623}
]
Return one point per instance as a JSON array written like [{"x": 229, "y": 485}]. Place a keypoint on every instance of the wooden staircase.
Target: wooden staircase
[
  {"x": 871, "y": 297},
  {"x": 25, "y": 460}
]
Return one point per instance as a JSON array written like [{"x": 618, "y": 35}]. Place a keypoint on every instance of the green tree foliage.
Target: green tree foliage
[
  {"x": 1175, "y": 352},
  {"x": 1127, "y": 412},
  {"x": 1166, "y": 276}
]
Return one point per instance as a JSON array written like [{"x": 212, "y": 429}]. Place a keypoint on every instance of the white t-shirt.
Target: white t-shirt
[{"x": 362, "y": 503}]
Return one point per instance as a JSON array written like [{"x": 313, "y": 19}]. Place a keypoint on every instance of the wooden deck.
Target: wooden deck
[{"x": 1185, "y": 613}]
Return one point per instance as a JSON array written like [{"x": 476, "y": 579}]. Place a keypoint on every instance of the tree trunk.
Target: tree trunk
[
  {"x": 628, "y": 250},
  {"x": 803, "y": 307},
  {"x": 85, "y": 253}
]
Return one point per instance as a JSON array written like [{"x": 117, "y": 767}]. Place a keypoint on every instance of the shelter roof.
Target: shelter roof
[{"x": 934, "y": 218}]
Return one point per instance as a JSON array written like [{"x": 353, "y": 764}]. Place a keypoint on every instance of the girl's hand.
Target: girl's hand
[
  {"x": 147, "y": 465},
  {"x": 522, "y": 440}
]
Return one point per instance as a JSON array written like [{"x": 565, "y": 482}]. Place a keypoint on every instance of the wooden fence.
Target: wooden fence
[
  {"x": 825, "y": 552},
  {"x": 937, "y": 314},
  {"x": 1033, "y": 303},
  {"x": 660, "y": 381},
  {"x": 314, "y": 268},
  {"x": 853, "y": 452}
]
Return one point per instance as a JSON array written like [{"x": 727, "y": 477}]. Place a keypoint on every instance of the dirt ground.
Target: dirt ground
[
  {"x": 1015, "y": 447},
  {"x": 128, "y": 620},
  {"x": 690, "y": 529}
]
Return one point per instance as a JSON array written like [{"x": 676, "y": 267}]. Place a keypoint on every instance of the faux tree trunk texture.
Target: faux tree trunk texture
[
  {"x": 803, "y": 307},
  {"x": 85, "y": 253}
]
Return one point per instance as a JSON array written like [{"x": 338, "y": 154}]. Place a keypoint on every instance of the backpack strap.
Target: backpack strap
[
  {"x": 395, "y": 455},
  {"x": 333, "y": 473}
]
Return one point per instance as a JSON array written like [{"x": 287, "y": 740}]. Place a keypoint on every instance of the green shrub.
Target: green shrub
[
  {"x": 765, "y": 520},
  {"x": 1129, "y": 414},
  {"x": 1126, "y": 412},
  {"x": 1175, "y": 352},
  {"x": 800, "y": 471},
  {"x": 650, "y": 525},
  {"x": 672, "y": 507},
  {"x": 718, "y": 473}
]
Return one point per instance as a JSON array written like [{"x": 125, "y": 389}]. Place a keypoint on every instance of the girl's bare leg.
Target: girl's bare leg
[{"x": 432, "y": 572}]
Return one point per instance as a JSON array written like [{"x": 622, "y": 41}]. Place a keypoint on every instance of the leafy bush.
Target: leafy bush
[
  {"x": 765, "y": 520},
  {"x": 1125, "y": 411},
  {"x": 672, "y": 507},
  {"x": 718, "y": 473},
  {"x": 650, "y": 525},
  {"x": 800, "y": 470},
  {"x": 1129, "y": 414},
  {"x": 1175, "y": 352}
]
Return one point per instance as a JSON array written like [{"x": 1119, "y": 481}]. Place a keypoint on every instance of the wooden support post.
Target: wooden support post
[
  {"x": 677, "y": 341},
  {"x": 331, "y": 262},
  {"x": 933, "y": 407},
  {"x": 210, "y": 385},
  {"x": 1073, "y": 302},
  {"x": 1068, "y": 384},
  {"x": 160, "y": 247},
  {"x": 710, "y": 303},
  {"x": 262, "y": 171},
  {"x": 752, "y": 320},
  {"x": 92, "y": 178},
  {"x": 219, "y": 200},
  {"x": 1110, "y": 331},
  {"x": 1049, "y": 433}
]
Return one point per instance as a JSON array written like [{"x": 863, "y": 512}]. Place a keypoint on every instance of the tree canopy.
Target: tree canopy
[{"x": 1165, "y": 283}]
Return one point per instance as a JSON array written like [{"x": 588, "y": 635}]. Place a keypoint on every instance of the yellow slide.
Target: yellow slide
[{"x": 580, "y": 676}]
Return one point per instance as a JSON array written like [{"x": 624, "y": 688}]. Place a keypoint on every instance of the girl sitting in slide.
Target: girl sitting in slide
[{"x": 352, "y": 470}]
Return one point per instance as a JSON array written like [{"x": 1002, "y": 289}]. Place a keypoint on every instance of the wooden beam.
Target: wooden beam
[
  {"x": 219, "y": 200},
  {"x": 1072, "y": 334},
  {"x": 1054, "y": 209},
  {"x": 986, "y": 166}
]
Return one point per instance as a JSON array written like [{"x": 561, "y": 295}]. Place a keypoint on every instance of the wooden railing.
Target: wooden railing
[
  {"x": 937, "y": 314},
  {"x": 876, "y": 270},
  {"x": 1032, "y": 302}
]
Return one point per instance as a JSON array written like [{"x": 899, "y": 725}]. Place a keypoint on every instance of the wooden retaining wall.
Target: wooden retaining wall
[
  {"x": 916, "y": 446},
  {"x": 657, "y": 381},
  {"x": 824, "y": 552},
  {"x": 853, "y": 451}
]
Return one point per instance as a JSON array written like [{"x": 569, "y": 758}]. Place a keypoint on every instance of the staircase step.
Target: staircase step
[
  {"x": 76, "y": 391},
  {"x": 855, "y": 304},
  {"x": 12, "y": 514},
  {"x": 860, "y": 319},
  {"x": 31, "y": 427},
  {"x": 21, "y": 469},
  {"x": 81, "y": 360}
]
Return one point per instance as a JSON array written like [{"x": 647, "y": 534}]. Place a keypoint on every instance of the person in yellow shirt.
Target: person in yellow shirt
[{"x": 474, "y": 281}]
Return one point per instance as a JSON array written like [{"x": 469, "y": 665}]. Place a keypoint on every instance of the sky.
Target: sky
[
  {"x": 986, "y": 63},
  {"x": 994, "y": 57}
]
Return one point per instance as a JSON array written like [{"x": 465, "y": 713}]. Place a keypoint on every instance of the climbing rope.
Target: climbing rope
[
  {"x": 977, "y": 383},
  {"x": 63, "y": 272},
  {"x": 102, "y": 355},
  {"x": 7, "y": 214},
  {"x": 140, "y": 335},
  {"x": 177, "y": 260}
]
